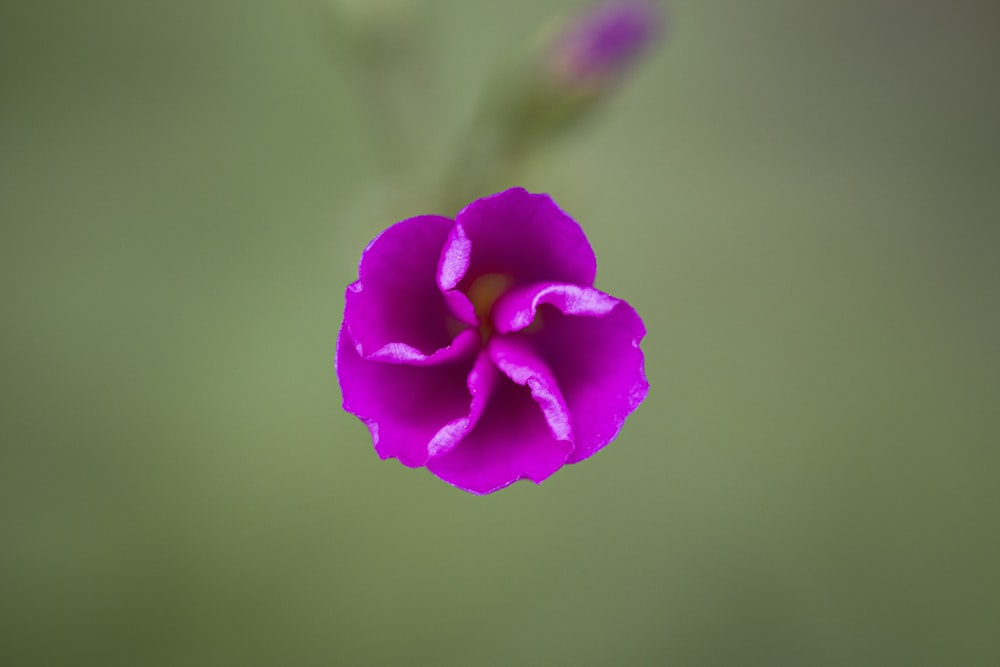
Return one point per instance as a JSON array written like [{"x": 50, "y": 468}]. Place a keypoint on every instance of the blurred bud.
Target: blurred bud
[
  {"x": 558, "y": 83},
  {"x": 575, "y": 70},
  {"x": 598, "y": 47}
]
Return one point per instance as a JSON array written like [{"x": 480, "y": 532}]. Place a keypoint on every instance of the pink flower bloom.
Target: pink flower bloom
[{"x": 479, "y": 348}]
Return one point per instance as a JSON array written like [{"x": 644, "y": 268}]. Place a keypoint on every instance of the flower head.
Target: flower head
[{"x": 479, "y": 348}]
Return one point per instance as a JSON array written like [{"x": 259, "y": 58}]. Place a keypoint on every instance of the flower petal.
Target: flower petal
[
  {"x": 403, "y": 405},
  {"x": 517, "y": 309},
  {"x": 511, "y": 440},
  {"x": 590, "y": 340},
  {"x": 517, "y": 359},
  {"x": 464, "y": 345},
  {"x": 395, "y": 311},
  {"x": 481, "y": 382},
  {"x": 525, "y": 236}
]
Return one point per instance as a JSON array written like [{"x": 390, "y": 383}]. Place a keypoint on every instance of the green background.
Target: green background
[{"x": 800, "y": 198}]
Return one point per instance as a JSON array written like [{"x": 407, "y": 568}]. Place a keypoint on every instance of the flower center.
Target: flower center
[{"x": 483, "y": 293}]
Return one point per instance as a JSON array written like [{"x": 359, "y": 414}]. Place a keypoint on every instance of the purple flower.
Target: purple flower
[
  {"x": 477, "y": 347},
  {"x": 603, "y": 42}
]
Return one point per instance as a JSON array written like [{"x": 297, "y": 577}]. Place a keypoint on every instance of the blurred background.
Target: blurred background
[{"x": 800, "y": 198}]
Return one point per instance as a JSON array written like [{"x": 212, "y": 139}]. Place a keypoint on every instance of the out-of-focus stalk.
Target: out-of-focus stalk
[{"x": 384, "y": 41}]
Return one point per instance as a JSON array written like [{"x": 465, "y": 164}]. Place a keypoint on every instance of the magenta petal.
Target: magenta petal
[
  {"x": 516, "y": 309},
  {"x": 464, "y": 345},
  {"x": 511, "y": 441},
  {"x": 525, "y": 236},
  {"x": 482, "y": 382},
  {"x": 395, "y": 311},
  {"x": 404, "y": 406},
  {"x": 520, "y": 425},
  {"x": 517, "y": 359},
  {"x": 590, "y": 340},
  {"x": 461, "y": 308}
]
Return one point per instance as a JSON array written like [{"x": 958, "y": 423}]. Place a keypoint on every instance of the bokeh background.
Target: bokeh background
[{"x": 800, "y": 198}]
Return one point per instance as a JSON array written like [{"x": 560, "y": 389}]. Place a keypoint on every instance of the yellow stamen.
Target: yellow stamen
[{"x": 483, "y": 293}]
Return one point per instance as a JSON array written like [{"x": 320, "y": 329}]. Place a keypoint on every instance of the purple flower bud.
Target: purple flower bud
[
  {"x": 479, "y": 349},
  {"x": 600, "y": 45}
]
